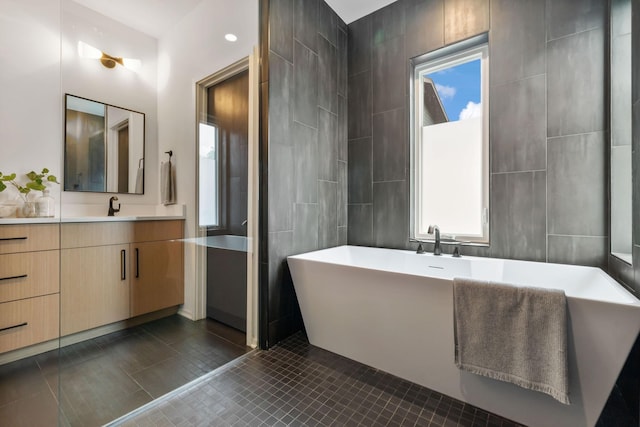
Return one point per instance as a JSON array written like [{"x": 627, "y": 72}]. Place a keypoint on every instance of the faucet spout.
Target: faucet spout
[
  {"x": 434, "y": 229},
  {"x": 113, "y": 210}
]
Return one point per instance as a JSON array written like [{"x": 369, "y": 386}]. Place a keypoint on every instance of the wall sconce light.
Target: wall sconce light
[{"x": 87, "y": 51}]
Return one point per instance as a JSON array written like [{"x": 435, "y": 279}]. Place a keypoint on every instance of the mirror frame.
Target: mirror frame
[{"x": 106, "y": 106}]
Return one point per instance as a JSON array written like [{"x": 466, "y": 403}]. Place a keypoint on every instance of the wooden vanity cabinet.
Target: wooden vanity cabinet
[
  {"x": 115, "y": 270},
  {"x": 29, "y": 284}
]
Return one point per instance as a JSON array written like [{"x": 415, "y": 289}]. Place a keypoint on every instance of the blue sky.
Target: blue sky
[{"x": 457, "y": 86}]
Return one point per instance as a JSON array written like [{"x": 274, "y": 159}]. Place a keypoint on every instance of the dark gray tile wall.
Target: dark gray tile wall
[
  {"x": 547, "y": 123},
  {"x": 304, "y": 147}
]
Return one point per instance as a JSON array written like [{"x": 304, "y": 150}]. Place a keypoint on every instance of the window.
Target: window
[
  {"x": 209, "y": 176},
  {"x": 450, "y": 144}
]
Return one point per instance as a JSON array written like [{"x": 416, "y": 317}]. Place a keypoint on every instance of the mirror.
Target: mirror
[
  {"x": 104, "y": 148},
  {"x": 621, "y": 181}
]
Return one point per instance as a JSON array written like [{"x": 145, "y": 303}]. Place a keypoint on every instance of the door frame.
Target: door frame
[{"x": 250, "y": 63}]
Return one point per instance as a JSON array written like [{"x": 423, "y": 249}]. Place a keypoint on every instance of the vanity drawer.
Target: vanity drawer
[
  {"x": 29, "y": 321},
  {"x": 28, "y": 237},
  {"x": 85, "y": 234},
  {"x": 31, "y": 274},
  {"x": 151, "y": 231}
]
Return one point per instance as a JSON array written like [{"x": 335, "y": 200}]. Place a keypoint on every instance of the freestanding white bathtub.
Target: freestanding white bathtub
[{"x": 393, "y": 310}]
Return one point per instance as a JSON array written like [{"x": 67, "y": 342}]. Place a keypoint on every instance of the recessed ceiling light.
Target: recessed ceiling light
[{"x": 231, "y": 37}]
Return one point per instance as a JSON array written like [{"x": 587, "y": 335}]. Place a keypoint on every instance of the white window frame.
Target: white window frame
[{"x": 473, "y": 48}]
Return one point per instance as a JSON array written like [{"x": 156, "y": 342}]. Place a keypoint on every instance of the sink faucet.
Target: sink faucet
[
  {"x": 436, "y": 248},
  {"x": 113, "y": 210}
]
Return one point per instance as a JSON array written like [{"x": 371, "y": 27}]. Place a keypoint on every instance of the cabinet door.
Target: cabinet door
[
  {"x": 157, "y": 279},
  {"x": 94, "y": 285}
]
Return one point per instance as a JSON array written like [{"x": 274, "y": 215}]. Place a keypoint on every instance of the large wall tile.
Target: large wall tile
[
  {"x": 360, "y": 226},
  {"x": 328, "y": 219},
  {"x": 343, "y": 130},
  {"x": 576, "y": 84},
  {"x": 390, "y": 214},
  {"x": 518, "y": 40},
  {"x": 281, "y": 28},
  {"x": 280, "y": 93},
  {"x": 282, "y": 187},
  {"x": 518, "y": 215},
  {"x": 327, "y": 76},
  {"x": 359, "y": 101},
  {"x": 389, "y": 146},
  {"x": 580, "y": 250},
  {"x": 343, "y": 193},
  {"x": 327, "y": 22},
  {"x": 306, "y": 23},
  {"x": 518, "y": 136},
  {"x": 280, "y": 247},
  {"x": 305, "y": 143},
  {"x": 360, "y": 175},
  {"x": 359, "y": 45},
  {"x": 305, "y": 227},
  {"x": 577, "y": 185},
  {"x": 389, "y": 22},
  {"x": 567, "y": 17},
  {"x": 464, "y": 19},
  {"x": 343, "y": 238},
  {"x": 305, "y": 95},
  {"x": 343, "y": 72},
  {"x": 424, "y": 26},
  {"x": 389, "y": 75},
  {"x": 327, "y": 145}
]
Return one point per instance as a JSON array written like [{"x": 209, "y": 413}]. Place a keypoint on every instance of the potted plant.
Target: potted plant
[{"x": 36, "y": 182}]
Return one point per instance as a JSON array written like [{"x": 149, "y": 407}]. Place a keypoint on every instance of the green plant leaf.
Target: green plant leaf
[
  {"x": 38, "y": 186},
  {"x": 32, "y": 175},
  {"x": 2, "y": 186},
  {"x": 8, "y": 177},
  {"x": 52, "y": 178},
  {"x": 45, "y": 171},
  {"x": 24, "y": 190}
]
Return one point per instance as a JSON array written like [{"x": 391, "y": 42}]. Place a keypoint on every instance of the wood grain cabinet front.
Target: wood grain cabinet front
[
  {"x": 28, "y": 238},
  {"x": 28, "y": 321},
  {"x": 94, "y": 287},
  {"x": 112, "y": 271},
  {"x": 157, "y": 279}
]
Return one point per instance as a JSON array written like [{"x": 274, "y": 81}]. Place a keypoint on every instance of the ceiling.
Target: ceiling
[
  {"x": 352, "y": 10},
  {"x": 159, "y": 15}
]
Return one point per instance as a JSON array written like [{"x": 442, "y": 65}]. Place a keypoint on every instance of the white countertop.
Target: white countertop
[
  {"x": 14, "y": 221},
  {"x": 96, "y": 213}
]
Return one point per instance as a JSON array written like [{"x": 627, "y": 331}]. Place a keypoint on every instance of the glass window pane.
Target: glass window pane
[{"x": 209, "y": 206}]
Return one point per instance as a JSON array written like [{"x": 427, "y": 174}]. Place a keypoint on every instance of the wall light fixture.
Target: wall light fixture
[{"x": 87, "y": 51}]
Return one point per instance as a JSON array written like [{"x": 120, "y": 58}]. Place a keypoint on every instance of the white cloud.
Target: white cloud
[
  {"x": 472, "y": 110},
  {"x": 445, "y": 92}
]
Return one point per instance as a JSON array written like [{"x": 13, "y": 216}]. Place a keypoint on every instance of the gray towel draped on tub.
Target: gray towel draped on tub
[{"x": 513, "y": 334}]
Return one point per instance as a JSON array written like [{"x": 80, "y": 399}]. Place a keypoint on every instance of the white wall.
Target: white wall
[
  {"x": 30, "y": 104},
  {"x": 118, "y": 86},
  {"x": 194, "y": 49}
]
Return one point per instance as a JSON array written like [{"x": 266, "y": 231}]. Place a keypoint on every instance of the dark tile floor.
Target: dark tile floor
[
  {"x": 297, "y": 384},
  {"x": 99, "y": 380}
]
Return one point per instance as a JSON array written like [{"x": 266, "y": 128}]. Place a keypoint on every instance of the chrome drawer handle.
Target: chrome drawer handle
[
  {"x": 14, "y": 327},
  {"x": 6, "y": 239},
  {"x": 22, "y": 276}
]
